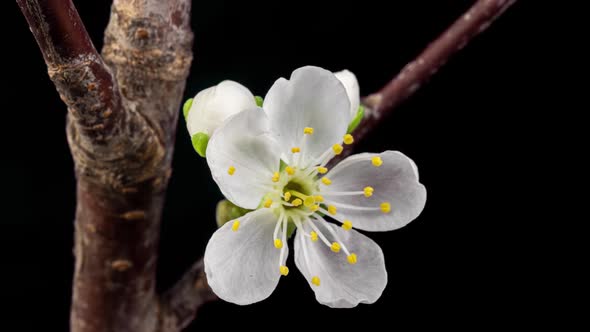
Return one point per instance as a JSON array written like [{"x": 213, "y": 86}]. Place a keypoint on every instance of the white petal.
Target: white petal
[
  {"x": 244, "y": 143},
  {"x": 213, "y": 105},
  {"x": 315, "y": 98},
  {"x": 242, "y": 266},
  {"x": 342, "y": 285},
  {"x": 351, "y": 85},
  {"x": 395, "y": 182}
]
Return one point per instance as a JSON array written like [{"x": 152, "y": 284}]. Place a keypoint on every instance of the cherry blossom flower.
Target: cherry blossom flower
[{"x": 273, "y": 160}]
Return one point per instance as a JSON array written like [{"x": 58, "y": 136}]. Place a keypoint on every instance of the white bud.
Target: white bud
[
  {"x": 348, "y": 79},
  {"x": 212, "y": 106}
]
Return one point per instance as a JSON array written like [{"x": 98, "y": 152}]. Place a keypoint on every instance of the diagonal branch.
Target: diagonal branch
[
  {"x": 380, "y": 104},
  {"x": 181, "y": 302},
  {"x": 81, "y": 77}
]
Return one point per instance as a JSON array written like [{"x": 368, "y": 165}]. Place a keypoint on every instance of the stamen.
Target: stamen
[
  {"x": 358, "y": 208},
  {"x": 297, "y": 201},
  {"x": 335, "y": 247},
  {"x": 342, "y": 193},
  {"x": 307, "y": 130},
  {"x": 314, "y": 236},
  {"x": 267, "y": 203},
  {"x": 278, "y": 243},
  {"x": 385, "y": 207},
  {"x": 335, "y": 236},
  {"x": 368, "y": 191},
  {"x": 322, "y": 170},
  {"x": 337, "y": 148},
  {"x": 326, "y": 181},
  {"x": 231, "y": 170},
  {"x": 319, "y": 198},
  {"x": 351, "y": 258},
  {"x": 314, "y": 208},
  {"x": 348, "y": 139},
  {"x": 332, "y": 209},
  {"x": 275, "y": 177},
  {"x": 287, "y": 196},
  {"x": 285, "y": 270},
  {"x": 315, "y": 280},
  {"x": 376, "y": 161},
  {"x": 275, "y": 234},
  {"x": 347, "y": 225},
  {"x": 317, "y": 233},
  {"x": 290, "y": 170},
  {"x": 235, "y": 226},
  {"x": 295, "y": 149}
]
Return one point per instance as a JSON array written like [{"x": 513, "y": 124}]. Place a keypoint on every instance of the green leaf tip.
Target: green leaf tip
[
  {"x": 259, "y": 101},
  {"x": 200, "y": 141},
  {"x": 187, "y": 106},
  {"x": 357, "y": 119},
  {"x": 226, "y": 211}
]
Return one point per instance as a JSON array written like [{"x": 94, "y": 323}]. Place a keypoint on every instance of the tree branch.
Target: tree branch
[
  {"x": 181, "y": 302},
  {"x": 121, "y": 127},
  {"x": 380, "y": 104}
]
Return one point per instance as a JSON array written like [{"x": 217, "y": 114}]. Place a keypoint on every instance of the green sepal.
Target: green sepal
[
  {"x": 357, "y": 119},
  {"x": 226, "y": 211},
  {"x": 200, "y": 141},
  {"x": 259, "y": 101},
  {"x": 187, "y": 106}
]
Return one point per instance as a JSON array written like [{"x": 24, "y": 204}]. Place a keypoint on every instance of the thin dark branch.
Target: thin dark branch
[
  {"x": 181, "y": 303},
  {"x": 416, "y": 73},
  {"x": 81, "y": 77}
]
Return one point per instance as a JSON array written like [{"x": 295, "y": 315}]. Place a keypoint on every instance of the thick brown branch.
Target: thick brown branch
[
  {"x": 180, "y": 303},
  {"x": 109, "y": 144},
  {"x": 416, "y": 73},
  {"x": 148, "y": 48}
]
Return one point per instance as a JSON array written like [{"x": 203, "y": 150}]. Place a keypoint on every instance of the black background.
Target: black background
[{"x": 465, "y": 131}]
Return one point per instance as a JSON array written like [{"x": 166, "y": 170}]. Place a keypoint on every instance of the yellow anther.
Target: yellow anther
[
  {"x": 337, "y": 148},
  {"x": 278, "y": 243},
  {"x": 287, "y": 196},
  {"x": 319, "y": 198},
  {"x": 308, "y": 201},
  {"x": 332, "y": 209},
  {"x": 284, "y": 270},
  {"x": 231, "y": 170},
  {"x": 376, "y": 161},
  {"x": 347, "y": 225},
  {"x": 295, "y": 149},
  {"x": 326, "y": 181},
  {"x": 335, "y": 247},
  {"x": 368, "y": 191},
  {"x": 290, "y": 170},
  {"x": 267, "y": 203},
  {"x": 314, "y": 236},
  {"x": 315, "y": 280},
  {"x": 351, "y": 258},
  {"x": 385, "y": 207},
  {"x": 314, "y": 208},
  {"x": 322, "y": 170},
  {"x": 275, "y": 177},
  {"x": 297, "y": 202},
  {"x": 235, "y": 226},
  {"x": 348, "y": 139},
  {"x": 308, "y": 130}
]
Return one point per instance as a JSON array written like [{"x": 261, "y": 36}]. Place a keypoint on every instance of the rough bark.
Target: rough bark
[
  {"x": 122, "y": 114},
  {"x": 380, "y": 104}
]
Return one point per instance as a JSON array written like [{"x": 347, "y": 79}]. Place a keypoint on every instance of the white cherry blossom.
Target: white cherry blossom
[{"x": 273, "y": 160}]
